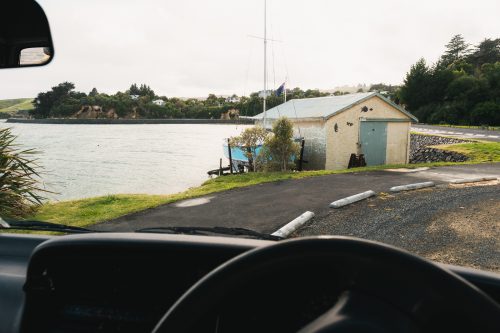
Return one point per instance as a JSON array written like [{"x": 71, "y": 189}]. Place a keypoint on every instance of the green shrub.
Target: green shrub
[
  {"x": 250, "y": 139},
  {"x": 20, "y": 191},
  {"x": 486, "y": 113},
  {"x": 279, "y": 148}
]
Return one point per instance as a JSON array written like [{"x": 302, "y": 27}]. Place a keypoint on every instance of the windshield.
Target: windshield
[{"x": 262, "y": 119}]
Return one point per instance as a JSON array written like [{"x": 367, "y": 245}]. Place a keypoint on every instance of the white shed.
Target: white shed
[{"x": 335, "y": 127}]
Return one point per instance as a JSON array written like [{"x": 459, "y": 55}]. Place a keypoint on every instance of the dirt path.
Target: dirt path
[
  {"x": 475, "y": 231},
  {"x": 454, "y": 225}
]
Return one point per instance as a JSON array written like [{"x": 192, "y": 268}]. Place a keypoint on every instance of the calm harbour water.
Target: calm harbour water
[{"x": 89, "y": 160}]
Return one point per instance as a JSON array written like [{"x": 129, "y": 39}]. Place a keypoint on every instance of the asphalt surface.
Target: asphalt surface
[
  {"x": 267, "y": 207},
  {"x": 454, "y": 225},
  {"x": 463, "y": 133}
]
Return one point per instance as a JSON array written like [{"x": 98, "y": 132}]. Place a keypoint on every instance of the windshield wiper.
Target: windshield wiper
[
  {"x": 210, "y": 231},
  {"x": 40, "y": 226}
]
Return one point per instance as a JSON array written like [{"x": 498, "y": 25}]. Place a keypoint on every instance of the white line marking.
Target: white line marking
[{"x": 493, "y": 136}]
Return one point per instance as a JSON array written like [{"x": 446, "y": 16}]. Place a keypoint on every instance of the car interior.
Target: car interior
[{"x": 147, "y": 282}]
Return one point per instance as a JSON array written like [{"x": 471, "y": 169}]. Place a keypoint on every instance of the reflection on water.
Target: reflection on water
[{"x": 88, "y": 160}]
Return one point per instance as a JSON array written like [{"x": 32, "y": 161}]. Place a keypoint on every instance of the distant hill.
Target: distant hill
[
  {"x": 14, "y": 105},
  {"x": 348, "y": 88}
]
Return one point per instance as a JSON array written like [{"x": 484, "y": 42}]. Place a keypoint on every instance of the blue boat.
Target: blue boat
[{"x": 238, "y": 155}]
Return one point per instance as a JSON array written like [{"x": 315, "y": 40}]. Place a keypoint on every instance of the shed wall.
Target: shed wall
[
  {"x": 342, "y": 143},
  {"x": 398, "y": 143},
  {"x": 315, "y": 142}
]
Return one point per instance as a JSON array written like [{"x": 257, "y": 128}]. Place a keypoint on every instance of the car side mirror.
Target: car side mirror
[{"x": 25, "y": 38}]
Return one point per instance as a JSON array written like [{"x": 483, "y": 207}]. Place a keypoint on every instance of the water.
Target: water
[{"x": 90, "y": 160}]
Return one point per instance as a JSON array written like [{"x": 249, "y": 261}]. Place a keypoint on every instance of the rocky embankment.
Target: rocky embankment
[{"x": 420, "y": 151}]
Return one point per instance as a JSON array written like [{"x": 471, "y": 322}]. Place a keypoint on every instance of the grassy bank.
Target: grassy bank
[
  {"x": 13, "y": 105},
  {"x": 478, "y": 152},
  {"x": 86, "y": 212}
]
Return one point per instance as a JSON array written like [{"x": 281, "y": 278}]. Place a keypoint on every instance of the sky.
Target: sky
[{"x": 192, "y": 48}]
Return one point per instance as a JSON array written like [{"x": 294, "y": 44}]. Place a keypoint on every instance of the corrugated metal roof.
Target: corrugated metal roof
[{"x": 323, "y": 107}]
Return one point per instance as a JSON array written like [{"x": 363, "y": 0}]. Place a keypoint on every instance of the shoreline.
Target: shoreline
[
  {"x": 89, "y": 211},
  {"x": 73, "y": 121}
]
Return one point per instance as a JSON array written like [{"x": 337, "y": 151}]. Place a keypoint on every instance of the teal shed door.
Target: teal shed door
[{"x": 373, "y": 135}]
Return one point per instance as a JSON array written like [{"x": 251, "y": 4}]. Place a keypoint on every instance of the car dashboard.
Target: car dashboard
[{"x": 127, "y": 282}]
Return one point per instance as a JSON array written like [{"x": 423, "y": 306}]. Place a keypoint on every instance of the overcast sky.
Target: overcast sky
[{"x": 193, "y": 48}]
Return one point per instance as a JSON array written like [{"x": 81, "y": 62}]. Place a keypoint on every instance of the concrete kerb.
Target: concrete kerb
[
  {"x": 409, "y": 187},
  {"x": 472, "y": 180},
  {"x": 293, "y": 225},
  {"x": 353, "y": 198}
]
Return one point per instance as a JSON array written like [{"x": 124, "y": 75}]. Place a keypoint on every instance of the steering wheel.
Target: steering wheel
[{"x": 384, "y": 289}]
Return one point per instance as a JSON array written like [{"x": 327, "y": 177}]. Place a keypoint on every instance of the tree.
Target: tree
[
  {"x": 93, "y": 92},
  {"x": 133, "y": 90},
  {"x": 279, "y": 148},
  {"x": 212, "y": 100},
  {"x": 488, "y": 51},
  {"x": 486, "y": 113},
  {"x": 122, "y": 103},
  {"x": 59, "y": 98},
  {"x": 387, "y": 90},
  {"x": 491, "y": 72},
  {"x": 415, "y": 93},
  {"x": 456, "y": 49},
  {"x": 461, "y": 88},
  {"x": 142, "y": 90},
  {"x": 250, "y": 140}
]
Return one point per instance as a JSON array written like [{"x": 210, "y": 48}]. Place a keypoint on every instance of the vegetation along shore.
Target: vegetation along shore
[
  {"x": 461, "y": 88},
  {"x": 86, "y": 212}
]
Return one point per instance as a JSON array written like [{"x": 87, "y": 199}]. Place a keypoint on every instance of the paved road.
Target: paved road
[
  {"x": 267, "y": 207},
  {"x": 466, "y": 133}
]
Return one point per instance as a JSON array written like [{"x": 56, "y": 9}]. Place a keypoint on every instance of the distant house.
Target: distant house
[
  {"x": 335, "y": 127},
  {"x": 159, "y": 102},
  {"x": 233, "y": 99}
]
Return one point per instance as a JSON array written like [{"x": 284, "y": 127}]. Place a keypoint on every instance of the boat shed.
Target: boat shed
[{"x": 335, "y": 127}]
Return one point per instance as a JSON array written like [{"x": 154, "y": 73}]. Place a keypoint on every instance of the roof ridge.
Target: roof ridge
[{"x": 327, "y": 109}]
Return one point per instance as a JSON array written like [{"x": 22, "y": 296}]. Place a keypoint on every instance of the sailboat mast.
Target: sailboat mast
[
  {"x": 284, "y": 86},
  {"x": 265, "y": 60}
]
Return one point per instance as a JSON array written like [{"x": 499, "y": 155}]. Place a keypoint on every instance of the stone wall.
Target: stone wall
[{"x": 421, "y": 153}]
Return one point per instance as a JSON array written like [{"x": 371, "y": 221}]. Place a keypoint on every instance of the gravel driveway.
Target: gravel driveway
[{"x": 454, "y": 225}]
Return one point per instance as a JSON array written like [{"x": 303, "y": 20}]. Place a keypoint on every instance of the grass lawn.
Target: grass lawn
[
  {"x": 481, "y": 151},
  {"x": 13, "y": 105},
  {"x": 86, "y": 212}
]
